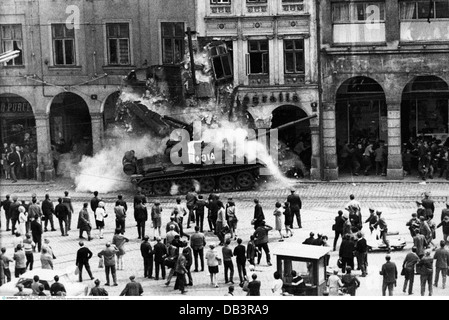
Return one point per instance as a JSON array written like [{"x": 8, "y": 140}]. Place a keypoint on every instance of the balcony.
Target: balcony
[
  {"x": 261, "y": 8},
  {"x": 220, "y": 9}
]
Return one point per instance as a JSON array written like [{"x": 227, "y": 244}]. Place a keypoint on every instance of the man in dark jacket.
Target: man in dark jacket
[
  {"x": 67, "y": 201},
  {"x": 410, "y": 261},
  {"x": 295, "y": 206},
  {"x": 240, "y": 259},
  {"x": 425, "y": 267},
  {"x": 139, "y": 196},
  {"x": 389, "y": 272},
  {"x": 83, "y": 256},
  {"x": 147, "y": 254},
  {"x": 141, "y": 216},
  {"x": 346, "y": 253},
  {"x": 310, "y": 239},
  {"x": 191, "y": 199},
  {"x": 132, "y": 288},
  {"x": 62, "y": 213},
  {"x": 48, "y": 210},
  {"x": 94, "y": 204},
  {"x": 261, "y": 242},
  {"x": 6, "y": 204},
  {"x": 338, "y": 227},
  {"x": 160, "y": 253},
  {"x": 254, "y": 286},
  {"x": 212, "y": 211},
  {"x": 199, "y": 212},
  {"x": 429, "y": 205},
  {"x": 14, "y": 213},
  {"x": 361, "y": 253},
  {"x": 258, "y": 214},
  {"x": 36, "y": 233}
]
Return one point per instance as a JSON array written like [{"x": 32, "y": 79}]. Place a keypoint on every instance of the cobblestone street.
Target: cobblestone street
[{"x": 321, "y": 201}]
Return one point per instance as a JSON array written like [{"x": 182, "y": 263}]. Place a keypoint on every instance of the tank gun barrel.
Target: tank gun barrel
[
  {"x": 289, "y": 124},
  {"x": 180, "y": 123}
]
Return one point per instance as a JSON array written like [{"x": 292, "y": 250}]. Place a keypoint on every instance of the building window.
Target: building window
[
  {"x": 12, "y": 39},
  {"x": 221, "y": 61},
  {"x": 257, "y": 58},
  {"x": 63, "y": 45},
  {"x": 294, "y": 56},
  {"x": 415, "y": 17},
  {"x": 118, "y": 43},
  {"x": 358, "y": 22},
  {"x": 255, "y": 1},
  {"x": 172, "y": 42},
  {"x": 220, "y": 2}
]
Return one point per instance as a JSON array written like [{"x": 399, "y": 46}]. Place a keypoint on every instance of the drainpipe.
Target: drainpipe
[{"x": 320, "y": 86}]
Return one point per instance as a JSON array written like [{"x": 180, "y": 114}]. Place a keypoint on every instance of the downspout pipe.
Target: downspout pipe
[{"x": 320, "y": 87}]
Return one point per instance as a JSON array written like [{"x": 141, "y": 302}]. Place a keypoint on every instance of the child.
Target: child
[{"x": 278, "y": 222}]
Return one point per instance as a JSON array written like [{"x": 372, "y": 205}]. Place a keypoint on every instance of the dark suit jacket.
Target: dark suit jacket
[
  {"x": 160, "y": 250},
  {"x": 295, "y": 202},
  {"x": 140, "y": 213},
  {"x": 14, "y": 210},
  {"x": 14, "y": 159},
  {"x": 61, "y": 211},
  {"x": 347, "y": 249},
  {"x": 94, "y": 203},
  {"x": 36, "y": 229},
  {"x": 389, "y": 272},
  {"x": 254, "y": 288},
  {"x": 83, "y": 255},
  {"x": 47, "y": 208}
]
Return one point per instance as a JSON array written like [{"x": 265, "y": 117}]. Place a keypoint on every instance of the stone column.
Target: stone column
[
  {"x": 330, "y": 160},
  {"x": 315, "y": 173},
  {"x": 394, "y": 169},
  {"x": 97, "y": 131},
  {"x": 44, "y": 145}
]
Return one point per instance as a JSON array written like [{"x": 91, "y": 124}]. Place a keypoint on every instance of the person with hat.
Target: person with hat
[
  {"x": 213, "y": 261},
  {"x": 160, "y": 253},
  {"x": 413, "y": 224},
  {"x": 425, "y": 267},
  {"x": 295, "y": 206},
  {"x": 389, "y": 272},
  {"x": 147, "y": 253},
  {"x": 132, "y": 288},
  {"x": 383, "y": 228},
  {"x": 441, "y": 257},
  {"x": 445, "y": 224},
  {"x": 100, "y": 215}
]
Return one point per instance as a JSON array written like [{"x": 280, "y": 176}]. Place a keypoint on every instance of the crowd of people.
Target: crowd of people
[
  {"x": 174, "y": 257},
  {"x": 427, "y": 157},
  {"x": 20, "y": 162}
]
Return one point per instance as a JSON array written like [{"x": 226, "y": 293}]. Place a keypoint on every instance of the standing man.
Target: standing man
[
  {"x": 132, "y": 288},
  {"x": 191, "y": 199},
  {"x": 160, "y": 253},
  {"x": 197, "y": 243},
  {"x": 410, "y": 261},
  {"x": 361, "y": 253},
  {"x": 15, "y": 163},
  {"x": 295, "y": 206},
  {"x": 36, "y": 233},
  {"x": 180, "y": 271},
  {"x": 94, "y": 205},
  {"x": 34, "y": 210},
  {"x": 6, "y": 260},
  {"x": 67, "y": 201},
  {"x": 121, "y": 202},
  {"x": 338, "y": 228},
  {"x": 390, "y": 275},
  {"x": 227, "y": 261},
  {"x": 240, "y": 259},
  {"x": 419, "y": 242},
  {"x": 199, "y": 211},
  {"x": 425, "y": 267},
  {"x": 372, "y": 219},
  {"x": 62, "y": 213},
  {"x": 383, "y": 227},
  {"x": 120, "y": 216},
  {"x": 14, "y": 213},
  {"x": 108, "y": 254},
  {"x": 429, "y": 205},
  {"x": 442, "y": 261},
  {"x": 141, "y": 216},
  {"x": 83, "y": 256},
  {"x": 48, "y": 210},
  {"x": 258, "y": 214},
  {"x": 139, "y": 196},
  {"x": 6, "y": 204},
  {"x": 20, "y": 261},
  {"x": 444, "y": 212},
  {"x": 346, "y": 252},
  {"x": 84, "y": 222},
  {"x": 147, "y": 254}
]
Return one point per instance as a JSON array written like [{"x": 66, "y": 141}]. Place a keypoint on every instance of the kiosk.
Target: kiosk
[{"x": 308, "y": 263}]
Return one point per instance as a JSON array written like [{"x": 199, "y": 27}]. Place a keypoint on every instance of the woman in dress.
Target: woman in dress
[
  {"x": 119, "y": 241},
  {"x": 100, "y": 214},
  {"x": 278, "y": 221},
  {"x": 156, "y": 212},
  {"x": 212, "y": 264},
  {"x": 23, "y": 219}
]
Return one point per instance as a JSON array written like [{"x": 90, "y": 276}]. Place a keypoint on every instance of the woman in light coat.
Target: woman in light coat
[
  {"x": 213, "y": 260},
  {"x": 100, "y": 214},
  {"x": 23, "y": 219}
]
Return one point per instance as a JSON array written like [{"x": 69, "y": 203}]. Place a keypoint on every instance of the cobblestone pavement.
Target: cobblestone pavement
[{"x": 321, "y": 201}]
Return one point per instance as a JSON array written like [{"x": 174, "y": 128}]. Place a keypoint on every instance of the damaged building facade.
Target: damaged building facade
[
  {"x": 268, "y": 52},
  {"x": 385, "y": 76},
  {"x": 62, "y": 89}
]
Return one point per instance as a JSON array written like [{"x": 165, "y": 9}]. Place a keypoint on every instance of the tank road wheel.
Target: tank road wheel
[
  {"x": 185, "y": 185},
  {"x": 245, "y": 180},
  {"x": 161, "y": 187},
  {"x": 226, "y": 183},
  {"x": 147, "y": 187},
  {"x": 207, "y": 184}
]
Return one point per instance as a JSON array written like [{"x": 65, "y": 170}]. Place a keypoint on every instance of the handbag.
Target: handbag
[
  {"x": 77, "y": 270},
  {"x": 101, "y": 263}
]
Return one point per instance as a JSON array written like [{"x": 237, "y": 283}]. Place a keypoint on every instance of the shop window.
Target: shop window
[
  {"x": 118, "y": 43},
  {"x": 12, "y": 39},
  {"x": 172, "y": 42},
  {"x": 63, "y": 45},
  {"x": 359, "y": 22},
  {"x": 221, "y": 61},
  {"x": 257, "y": 58},
  {"x": 294, "y": 56}
]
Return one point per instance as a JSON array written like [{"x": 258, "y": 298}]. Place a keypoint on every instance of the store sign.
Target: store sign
[{"x": 15, "y": 107}]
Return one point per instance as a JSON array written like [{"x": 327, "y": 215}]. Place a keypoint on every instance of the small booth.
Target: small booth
[{"x": 302, "y": 268}]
